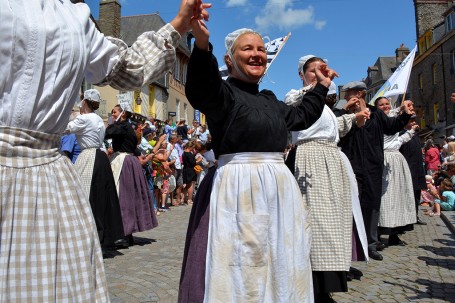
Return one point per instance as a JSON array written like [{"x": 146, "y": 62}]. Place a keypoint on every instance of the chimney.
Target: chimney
[
  {"x": 428, "y": 13},
  {"x": 401, "y": 53},
  {"x": 109, "y": 21}
]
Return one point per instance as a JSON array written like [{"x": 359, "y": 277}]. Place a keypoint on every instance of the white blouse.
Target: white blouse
[
  {"x": 89, "y": 130},
  {"x": 49, "y": 46},
  {"x": 393, "y": 143},
  {"x": 327, "y": 127}
]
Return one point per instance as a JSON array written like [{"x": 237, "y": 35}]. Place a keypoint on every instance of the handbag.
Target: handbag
[
  {"x": 172, "y": 183},
  {"x": 198, "y": 169}
]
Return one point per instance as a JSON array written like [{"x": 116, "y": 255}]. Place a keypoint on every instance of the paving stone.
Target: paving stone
[{"x": 423, "y": 271}]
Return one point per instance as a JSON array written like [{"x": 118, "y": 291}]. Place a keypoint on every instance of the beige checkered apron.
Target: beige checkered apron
[
  {"x": 49, "y": 249},
  {"x": 326, "y": 190},
  {"x": 397, "y": 200}
]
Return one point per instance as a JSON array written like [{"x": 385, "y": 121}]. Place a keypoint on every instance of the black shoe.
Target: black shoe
[
  {"x": 395, "y": 241},
  {"x": 375, "y": 255},
  {"x": 121, "y": 243},
  {"x": 420, "y": 222},
  {"x": 380, "y": 246},
  {"x": 355, "y": 272}
]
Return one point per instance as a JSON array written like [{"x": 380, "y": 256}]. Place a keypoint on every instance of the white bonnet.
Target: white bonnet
[
  {"x": 232, "y": 37},
  {"x": 332, "y": 89}
]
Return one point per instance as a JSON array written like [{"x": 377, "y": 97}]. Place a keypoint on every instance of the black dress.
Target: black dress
[
  {"x": 241, "y": 119},
  {"x": 412, "y": 152},
  {"x": 189, "y": 161}
]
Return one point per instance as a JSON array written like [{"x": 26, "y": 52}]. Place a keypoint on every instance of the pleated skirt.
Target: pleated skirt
[
  {"x": 135, "y": 198},
  {"x": 49, "y": 247},
  {"x": 95, "y": 172},
  {"x": 397, "y": 200}
]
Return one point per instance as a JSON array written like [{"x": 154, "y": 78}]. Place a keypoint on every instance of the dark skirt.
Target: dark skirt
[
  {"x": 357, "y": 249},
  {"x": 329, "y": 281},
  {"x": 189, "y": 174},
  {"x": 136, "y": 202},
  {"x": 192, "y": 278},
  {"x": 104, "y": 201}
]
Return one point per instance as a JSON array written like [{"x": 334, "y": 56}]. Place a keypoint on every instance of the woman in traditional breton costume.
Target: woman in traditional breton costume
[
  {"x": 324, "y": 181},
  {"x": 49, "y": 249},
  {"x": 135, "y": 198},
  {"x": 95, "y": 170},
  {"x": 249, "y": 233},
  {"x": 397, "y": 213}
]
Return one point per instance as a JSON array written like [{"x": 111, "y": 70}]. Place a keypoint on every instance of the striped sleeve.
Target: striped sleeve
[{"x": 148, "y": 59}]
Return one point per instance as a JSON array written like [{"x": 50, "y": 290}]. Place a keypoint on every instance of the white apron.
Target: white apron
[{"x": 259, "y": 233}]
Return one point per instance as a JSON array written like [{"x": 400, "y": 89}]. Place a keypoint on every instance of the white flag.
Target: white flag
[
  {"x": 397, "y": 83},
  {"x": 272, "y": 48}
]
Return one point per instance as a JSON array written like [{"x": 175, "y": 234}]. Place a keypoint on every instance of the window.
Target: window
[
  {"x": 185, "y": 67},
  {"x": 434, "y": 78},
  {"x": 185, "y": 111},
  {"x": 177, "y": 74},
  {"x": 425, "y": 41},
  {"x": 450, "y": 22},
  {"x": 420, "y": 82},
  {"x": 177, "y": 108},
  {"x": 453, "y": 59}
]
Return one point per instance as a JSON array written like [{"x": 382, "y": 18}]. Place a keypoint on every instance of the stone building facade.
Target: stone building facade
[
  {"x": 162, "y": 99},
  {"x": 433, "y": 74}
]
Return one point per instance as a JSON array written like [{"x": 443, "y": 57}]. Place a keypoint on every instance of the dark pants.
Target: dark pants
[
  {"x": 371, "y": 220},
  {"x": 417, "y": 193}
]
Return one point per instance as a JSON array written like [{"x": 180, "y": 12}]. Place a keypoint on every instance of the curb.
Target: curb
[{"x": 448, "y": 223}]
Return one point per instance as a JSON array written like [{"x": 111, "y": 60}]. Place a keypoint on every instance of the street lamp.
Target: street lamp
[{"x": 138, "y": 100}]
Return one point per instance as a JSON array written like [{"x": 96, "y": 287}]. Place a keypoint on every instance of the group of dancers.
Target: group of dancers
[{"x": 257, "y": 231}]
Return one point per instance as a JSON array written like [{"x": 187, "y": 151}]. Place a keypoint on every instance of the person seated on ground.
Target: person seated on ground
[
  {"x": 439, "y": 176},
  {"x": 428, "y": 195},
  {"x": 447, "y": 201},
  {"x": 450, "y": 170}
]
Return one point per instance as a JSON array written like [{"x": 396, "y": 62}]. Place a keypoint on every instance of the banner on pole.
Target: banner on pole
[{"x": 397, "y": 83}]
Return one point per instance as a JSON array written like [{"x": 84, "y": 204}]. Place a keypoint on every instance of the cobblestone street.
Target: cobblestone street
[{"x": 422, "y": 271}]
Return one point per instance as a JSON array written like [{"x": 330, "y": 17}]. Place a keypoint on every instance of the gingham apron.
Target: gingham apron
[{"x": 49, "y": 247}]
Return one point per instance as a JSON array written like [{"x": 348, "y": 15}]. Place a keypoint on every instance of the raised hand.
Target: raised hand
[
  {"x": 408, "y": 107},
  {"x": 352, "y": 105},
  {"x": 324, "y": 75},
  {"x": 362, "y": 116},
  {"x": 190, "y": 10},
  {"x": 200, "y": 33}
]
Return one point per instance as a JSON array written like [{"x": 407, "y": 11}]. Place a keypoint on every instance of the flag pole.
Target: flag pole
[{"x": 276, "y": 55}]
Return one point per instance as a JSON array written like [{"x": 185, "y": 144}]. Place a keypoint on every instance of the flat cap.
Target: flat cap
[{"x": 355, "y": 85}]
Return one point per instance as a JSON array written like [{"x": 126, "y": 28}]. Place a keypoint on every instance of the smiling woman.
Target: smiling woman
[
  {"x": 250, "y": 59},
  {"x": 249, "y": 235}
]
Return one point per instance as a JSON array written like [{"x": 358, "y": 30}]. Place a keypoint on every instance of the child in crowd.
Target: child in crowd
[
  {"x": 428, "y": 196},
  {"x": 447, "y": 201}
]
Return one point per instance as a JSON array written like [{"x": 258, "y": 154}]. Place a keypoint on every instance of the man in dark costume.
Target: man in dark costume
[{"x": 365, "y": 149}]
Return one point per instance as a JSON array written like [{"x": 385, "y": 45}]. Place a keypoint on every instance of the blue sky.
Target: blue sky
[{"x": 351, "y": 34}]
